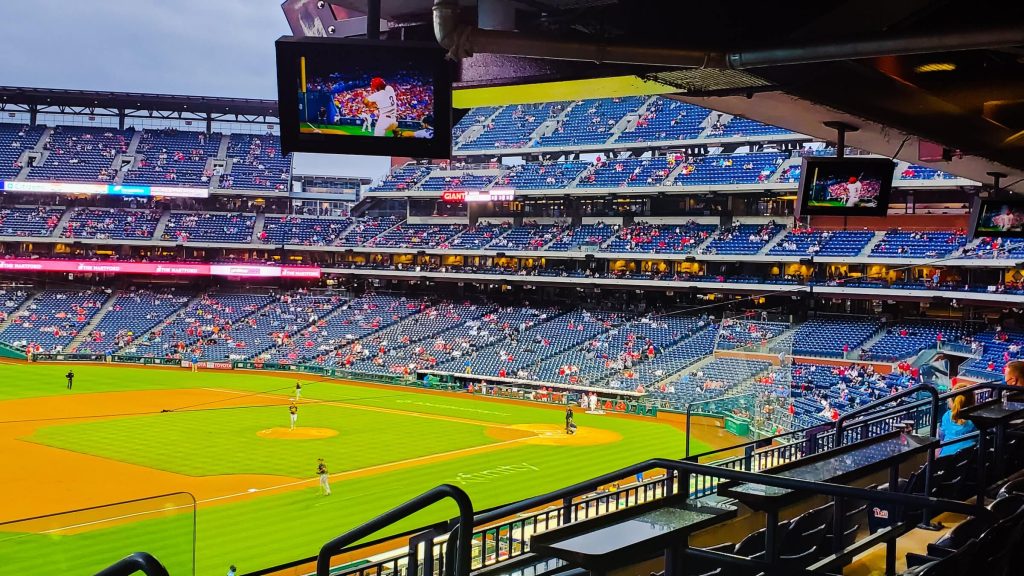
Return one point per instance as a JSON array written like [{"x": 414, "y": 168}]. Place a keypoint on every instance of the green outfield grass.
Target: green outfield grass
[
  {"x": 283, "y": 526},
  {"x": 338, "y": 129}
]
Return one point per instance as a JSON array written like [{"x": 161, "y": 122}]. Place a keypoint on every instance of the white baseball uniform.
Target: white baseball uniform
[{"x": 387, "y": 110}]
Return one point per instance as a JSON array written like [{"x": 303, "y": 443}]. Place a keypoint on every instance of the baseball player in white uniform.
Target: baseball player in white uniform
[
  {"x": 853, "y": 191},
  {"x": 383, "y": 98}
]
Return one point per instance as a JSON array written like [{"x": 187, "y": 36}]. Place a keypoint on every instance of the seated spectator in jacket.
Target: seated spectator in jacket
[{"x": 953, "y": 426}]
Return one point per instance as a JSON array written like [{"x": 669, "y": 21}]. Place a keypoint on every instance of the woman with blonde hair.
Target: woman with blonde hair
[{"x": 955, "y": 426}]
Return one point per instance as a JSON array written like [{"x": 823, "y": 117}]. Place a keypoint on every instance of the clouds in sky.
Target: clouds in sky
[{"x": 193, "y": 47}]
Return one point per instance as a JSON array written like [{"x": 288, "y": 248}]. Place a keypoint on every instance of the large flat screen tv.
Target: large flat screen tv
[
  {"x": 998, "y": 218},
  {"x": 381, "y": 98},
  {"x": 845, "y": 186}
]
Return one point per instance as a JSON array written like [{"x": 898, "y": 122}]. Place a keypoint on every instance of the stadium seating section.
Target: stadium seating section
[
  {"x": 538, "y": 175},
  {"x": 805, "y": 242},
  {"x": 113, "y": 224},
  {"x": 402, "y": 179},
  {"x": 367, "y": 229},
  {"x": 740, "y": 127},
  {"x": 29, "y": 221},
  {"x": 456, "y": 181},
  {"x": 131, "y": 315},
  {"x": 14, "y": 141},
  {"x": 477, "y": 237},
  {"x": 905, "y": 244},
  {"x": 303, "y": 231},
  {"x": 664, "y": 119},
  {"x": 173, "y": 157},
  {"x": 81, "y": 154},
  {"x": 209, "y": 227},
  {"x": 257, "y": 163},
  {"x": 52, "y": 319},
  {"x": 590, "y": 122},
  {"x": 417, "y": 236},
  {"x": 907, "y": 339},
  {"x": 659, "y": 239},
  {"x": 514, "y": 125},
  {"x": 742, "y": 239},
  {"x": 826, "y": 338}
]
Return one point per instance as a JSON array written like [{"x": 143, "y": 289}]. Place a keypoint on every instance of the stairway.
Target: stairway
[
  {"x": 773, "y": 242},
  {"x": 58, "y": 230},
  {"x": 257, "y": 227},
  {"x": 42, "y": 140},
  {"x": 170, "y": 318},
  {"x": 83, "y": 334},
  {"x": 871, "y": 244},
  {"x": 710, "y": 121},
  {"x": 778, "y": 171},
  {"x": 161, "y": 225},
  {"x": 870, "y": 341}
]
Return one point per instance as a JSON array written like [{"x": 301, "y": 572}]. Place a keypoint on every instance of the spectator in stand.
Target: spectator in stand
[
  {"x": 1013, "y": 373},
  {"x": 953, "y": 426}
]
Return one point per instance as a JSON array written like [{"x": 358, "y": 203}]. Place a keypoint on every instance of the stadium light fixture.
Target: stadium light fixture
[{"x": 935, "y": 67}]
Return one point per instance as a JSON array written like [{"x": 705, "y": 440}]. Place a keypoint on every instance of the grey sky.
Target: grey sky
[
  {"x": 193, "y": 47},
  {"x": 190, "y": 47}
]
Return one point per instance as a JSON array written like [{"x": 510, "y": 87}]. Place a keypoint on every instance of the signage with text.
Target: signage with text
[
  {"x": 159, "y": 268},
  {"x": 103, "y": 189}
]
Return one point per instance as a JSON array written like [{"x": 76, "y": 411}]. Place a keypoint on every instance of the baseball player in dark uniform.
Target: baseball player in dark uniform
[
  {"x": 570, "y": 426},
  {"x": 321, "y": 471},
  {"x": 293, "y": 413},
  {"x": 71, "y": 377}
]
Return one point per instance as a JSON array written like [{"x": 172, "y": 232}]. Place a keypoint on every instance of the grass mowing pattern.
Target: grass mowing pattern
[
  {"x": 279, "y": 527},
  {"x": 209, "y": 442}
]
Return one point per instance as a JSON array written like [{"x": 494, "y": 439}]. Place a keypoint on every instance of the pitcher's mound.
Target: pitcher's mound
[
  {"x": 554, "y": 435},
  {"x": 299, "y": 433}
]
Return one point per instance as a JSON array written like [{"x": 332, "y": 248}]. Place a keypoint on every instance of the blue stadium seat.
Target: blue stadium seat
[
  {"x": 114, "y": 224},
  {"x": 14, "y": 140},
  {"x": 81, "y": 154},
  {"x": 209, "y": 227},
  {"x": 36, "y": 222},
  {"x": 257, "y": 163},
  {"x": 174, "y": 158}
]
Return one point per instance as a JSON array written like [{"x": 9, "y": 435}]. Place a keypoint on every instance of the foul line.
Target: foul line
[
  {"x": 371, "y": 409},
  {"x": 338, "y": 475},
  {"x": 253, "y": 491}
]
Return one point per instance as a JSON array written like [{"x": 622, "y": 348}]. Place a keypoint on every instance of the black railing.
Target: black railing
[
  {"x": 684, "y": 472},
  {"x": 457, "y": 554},
  {"x": 138, "y": 562},
  {"x": 509, "y": 539},
  {"x": 914, "y": 391}
]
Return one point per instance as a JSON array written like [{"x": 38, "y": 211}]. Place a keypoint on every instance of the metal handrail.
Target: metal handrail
[
  {"x": 457, "y": 564},
  {"x": 933, "y": 427},
  {"x": 687, "y": 468},
  {"x": 137, "y": 562}
]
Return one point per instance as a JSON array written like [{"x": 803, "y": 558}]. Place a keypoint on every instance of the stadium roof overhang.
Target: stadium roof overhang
[
  {"x": 950, "y": 72},
  {"x": 84, "y": 99}
]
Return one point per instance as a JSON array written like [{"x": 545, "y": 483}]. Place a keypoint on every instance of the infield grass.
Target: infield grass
[{"x": 281, "y": 526}]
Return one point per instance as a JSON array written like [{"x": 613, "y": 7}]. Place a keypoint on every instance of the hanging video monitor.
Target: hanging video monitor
[
  {"x": 381, "y": 98},
  {"x": 998, "y": 218},
  {"x": 845, "y": 186}
]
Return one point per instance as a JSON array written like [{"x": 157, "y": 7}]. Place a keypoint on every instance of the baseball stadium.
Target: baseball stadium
[{"x": 606, "y": 335}]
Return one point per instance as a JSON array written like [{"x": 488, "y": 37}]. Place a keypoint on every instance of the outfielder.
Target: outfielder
[{"x": 325, "y": 483}]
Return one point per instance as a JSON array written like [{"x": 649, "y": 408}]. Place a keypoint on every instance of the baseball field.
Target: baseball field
[{"x": 223, "y": 438}]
